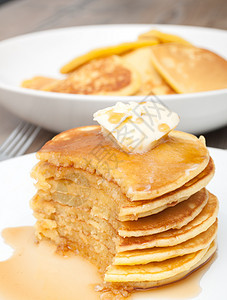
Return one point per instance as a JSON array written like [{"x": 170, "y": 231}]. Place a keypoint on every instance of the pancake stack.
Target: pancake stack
[{"x": 143, "y": 219}]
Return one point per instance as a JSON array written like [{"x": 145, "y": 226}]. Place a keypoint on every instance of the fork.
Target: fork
[{"x": 19, "y": 140}]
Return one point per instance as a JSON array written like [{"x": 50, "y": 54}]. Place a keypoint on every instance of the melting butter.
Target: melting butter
[{"x": 137, "y": 127}]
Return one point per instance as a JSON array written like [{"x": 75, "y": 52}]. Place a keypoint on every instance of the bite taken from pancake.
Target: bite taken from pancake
[{"x": 129, "y": 195}]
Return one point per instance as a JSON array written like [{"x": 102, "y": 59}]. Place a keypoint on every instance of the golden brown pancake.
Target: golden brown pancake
[
  {"x": 162, "y": 37},
  {"x": 137, "y": 209},
  {"x": 39, "y": 83},
  {"x": 103, "y": 76},
  {"x": 155, "y": 283},
  {"x": 151, "y": 81},
  {"x": 189, "y": 69},
  {"x": 140, "y": 177},
  {"x": 104, "y": 52},
  {"x": 72, "y": 187},
  {"x": 154, "y": 271},
  {"x": 174, "y": 236},
  {"x": 171, "y": 218},
  {"x": 145, "y": 256}
]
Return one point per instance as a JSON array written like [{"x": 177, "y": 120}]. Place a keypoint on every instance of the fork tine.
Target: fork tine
[
  {"x": 12, "y": 142},
  {"x": 23, "y": 136},
  {"x": 11, "y": 137},
  {"x": 29, "y": 141},
  {"x": 19, "y": 140},
  {"x": 20, "y": 146}
]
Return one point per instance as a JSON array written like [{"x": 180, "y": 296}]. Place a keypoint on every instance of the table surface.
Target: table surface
[{"x": 23, "y": 16}]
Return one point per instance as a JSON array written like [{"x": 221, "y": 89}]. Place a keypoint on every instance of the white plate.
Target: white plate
[
  {"x": 16, "y": 188},
  {"x": 43, "y": 53}
]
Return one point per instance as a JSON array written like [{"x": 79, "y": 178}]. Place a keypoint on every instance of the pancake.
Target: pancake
[
  {"x": 39, "y": 83},
  {"x": 171, "y": 218},
  {"x": 73, "y": 187},
  {"x": 187, "y": 68},
  {"x": 137, "y": 209},
  {"x": 162, "y": 37},
  {"x": 104, "y": 52},
  {"x": 84, "y": 183},
  {"x": 103, "y": 76},
  {"x": 173, "y": 237},
  {"x": 150, "y": 284},
  {"x": 140, "y": 177},
  {"x": 145, "y": 256},
  {"x": 151, "y": 81},
  {"x": 154, "y": 271}
]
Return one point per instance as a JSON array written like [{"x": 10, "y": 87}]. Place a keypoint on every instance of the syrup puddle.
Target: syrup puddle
[{"x": 36, "y": 272}]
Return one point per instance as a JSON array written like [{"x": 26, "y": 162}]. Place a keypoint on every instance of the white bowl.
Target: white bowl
[{"x": 43, "y": 53}]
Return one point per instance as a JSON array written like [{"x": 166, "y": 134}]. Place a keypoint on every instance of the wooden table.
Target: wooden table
[{"x": 23, "y": 16}]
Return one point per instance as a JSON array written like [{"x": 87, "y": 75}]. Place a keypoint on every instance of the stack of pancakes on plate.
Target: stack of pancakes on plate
[{"x": 143, "y": 219}]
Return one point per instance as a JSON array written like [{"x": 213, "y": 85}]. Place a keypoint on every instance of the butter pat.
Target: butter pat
[{"x": 137, "y": 127}]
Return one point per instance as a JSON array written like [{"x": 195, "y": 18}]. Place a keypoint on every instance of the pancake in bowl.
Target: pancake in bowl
[
  {"x": 151, "y": 81},
  {"x": 162, "y": 37},
  {"x": 188, "y": 69},
  {"x": 158, "y": 63},
  {"x": 39, "y": 83},
  {"x": 104, "y": 76}
]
